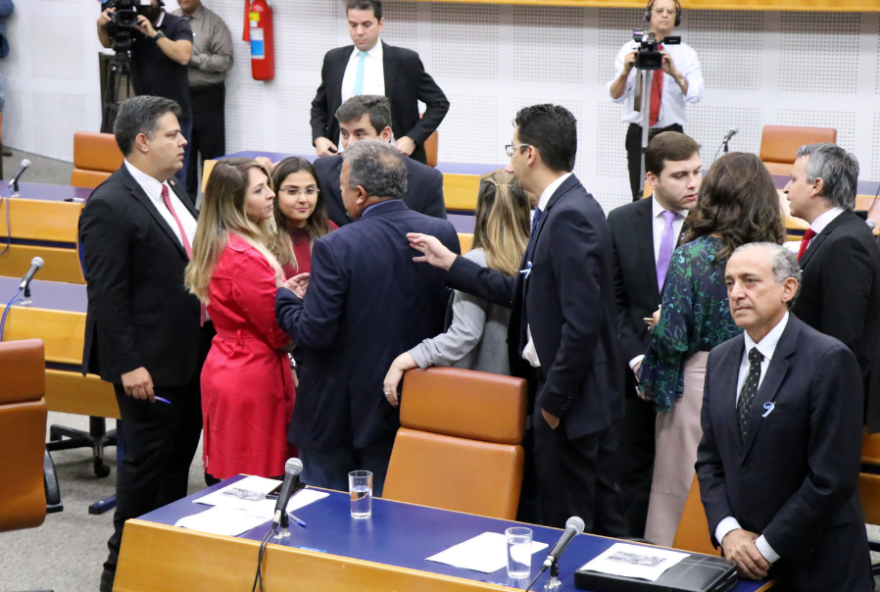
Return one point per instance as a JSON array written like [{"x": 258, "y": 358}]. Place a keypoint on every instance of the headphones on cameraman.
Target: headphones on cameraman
[{"x": 650, "y": 9}]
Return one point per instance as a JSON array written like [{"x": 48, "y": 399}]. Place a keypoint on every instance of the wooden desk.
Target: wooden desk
[
  {"x": 58, "y": 317},
  {"x": 43, "y": 225},
  {"x": 384, "y": 553}
]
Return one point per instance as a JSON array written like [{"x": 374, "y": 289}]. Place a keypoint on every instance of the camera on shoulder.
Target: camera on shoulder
[{"x": 649, "y": 56}]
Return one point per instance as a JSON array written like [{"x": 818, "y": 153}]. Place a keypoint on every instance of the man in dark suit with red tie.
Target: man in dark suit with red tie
[
  {"x": 644, "y": 235},
  {"x": 143, "y": 330},
  {"x": 778, "y": 463},
  {"x": 562, "y": 334},
  {"x": 367, "y": 302},
  {"x": 372, "y": 67},
  {"x": 840, "y": 260}
]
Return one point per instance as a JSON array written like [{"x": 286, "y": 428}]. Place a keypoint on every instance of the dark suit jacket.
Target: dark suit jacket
[
  {"x": 568, "y": 300},
  {"x": 424, "y": 193},
  {"x": 139, "y": 312},
  {"x": 795, "y": 478},
  {"x": 840, "y": 296},
  {"x": 406, "y": 83},
  {"x": 367, "y": 302},
  {"x": 635, "y": 274}
]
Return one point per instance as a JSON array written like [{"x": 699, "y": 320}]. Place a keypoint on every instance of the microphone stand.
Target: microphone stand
[
  {"x": 553, "y": 583},
  {"x": 725, "y": 146},
  {"x": 284, "y": 532}
]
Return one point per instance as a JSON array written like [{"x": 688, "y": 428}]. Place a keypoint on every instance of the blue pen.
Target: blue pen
[
  {"x": 161, "y": 400},
  {"x": 297, "y": 520}
]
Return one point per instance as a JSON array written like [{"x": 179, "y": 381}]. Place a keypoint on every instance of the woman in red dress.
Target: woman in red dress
[
  {"x": 299, "y": 210},
  {"x": 247, "y": 386}
]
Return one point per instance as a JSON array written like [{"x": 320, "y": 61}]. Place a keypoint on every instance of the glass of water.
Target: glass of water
[
  {"x": 360, "y": 487},
  {"x": 519, "y": 552}
]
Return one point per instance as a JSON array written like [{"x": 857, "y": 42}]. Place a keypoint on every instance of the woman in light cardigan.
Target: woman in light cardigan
[{"x": 477, "y": 337}]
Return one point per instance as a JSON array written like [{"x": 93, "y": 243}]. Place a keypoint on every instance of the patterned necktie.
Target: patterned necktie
[
  {"x": 359, "y": 79},
  {"x": 535, "y": 219},
  {"x": 805, "y": 242},
  {"x": 749, "y": 389},
  {"x": 656, "y": 95},
  {"x": 667, "y": 245}
]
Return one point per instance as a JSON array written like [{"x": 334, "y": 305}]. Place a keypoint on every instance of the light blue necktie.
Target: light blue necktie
[{"x": 359, "y": 79}]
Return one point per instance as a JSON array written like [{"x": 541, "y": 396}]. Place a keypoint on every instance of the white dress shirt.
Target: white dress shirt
[
  {"x": 767, "y": 347},
  {"x": 530, "y": 354},
  {"x": 825, "y": 219},
  {"x": 658, "y": 226},
  {"x": 673, "y": 102},
  {"x": 153, "y": 189},
  {"x": 374, "y": 73}
]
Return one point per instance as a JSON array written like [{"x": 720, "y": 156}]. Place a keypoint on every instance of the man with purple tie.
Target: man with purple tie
[{"x": 644, "y": 235}]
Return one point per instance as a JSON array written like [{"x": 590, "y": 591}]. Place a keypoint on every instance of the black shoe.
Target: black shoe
[{"x": 107, "y": 578}]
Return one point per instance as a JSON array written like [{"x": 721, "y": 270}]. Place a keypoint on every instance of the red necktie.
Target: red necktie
[
  {"x": 166, "y": 198},
  {"x": 805, "y": 242},
  {"x": 656, "y": 95}
]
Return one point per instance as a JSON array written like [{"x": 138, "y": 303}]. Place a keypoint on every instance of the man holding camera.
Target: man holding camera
[
  {"x": 161, "y": 47},
  {"x": 679, "y": 81}
]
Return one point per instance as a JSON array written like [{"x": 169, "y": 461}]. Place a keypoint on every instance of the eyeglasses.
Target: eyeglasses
[
  {"x": 294, "y": 191},
  {"x": 669, "y": 11},
  {"x": 510, "y": 148}
]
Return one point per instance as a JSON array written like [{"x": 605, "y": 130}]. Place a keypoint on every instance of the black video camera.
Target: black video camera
[
  {"x": 126, "y": 15},
  {"x": 649, "y": 56}
]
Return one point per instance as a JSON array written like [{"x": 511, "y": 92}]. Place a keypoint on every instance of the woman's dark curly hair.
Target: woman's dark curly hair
[{"x": 739, "y": 203}]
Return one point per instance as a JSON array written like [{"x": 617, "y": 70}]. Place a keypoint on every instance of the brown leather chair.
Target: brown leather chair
[
  {"x": 459, "y": 444},
  {"x": 869, "y": 486},
  {"x": 779, "y": 143},
  {"x": 431, "y": 148},
  {"x": 26, "y": 470},
  {"x": 693, "y": 529},
  {"x": 95, "y": 157}
]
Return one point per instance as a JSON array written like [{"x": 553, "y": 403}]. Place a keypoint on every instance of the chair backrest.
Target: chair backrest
[
  {"x": 693, "y": 529},
  {"x": 870, "y": 448},
  {"x": 23, "y": 414},
  {"x": 466, "y": 241},
  {"x": 779, "y": 143},
  {"x": 459, "y": 444},
  {"x": 95, "y": 157}
]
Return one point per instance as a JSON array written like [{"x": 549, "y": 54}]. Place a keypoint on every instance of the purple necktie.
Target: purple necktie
[{"x": 667, "y": 244}]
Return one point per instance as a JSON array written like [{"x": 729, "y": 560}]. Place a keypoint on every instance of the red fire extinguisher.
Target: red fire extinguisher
[{"x": 258, "y": 31}]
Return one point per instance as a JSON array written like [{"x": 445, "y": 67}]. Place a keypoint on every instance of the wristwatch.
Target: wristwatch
[
  {"x": 158, "y": 35},
  {"x": 682, "y": 82}
]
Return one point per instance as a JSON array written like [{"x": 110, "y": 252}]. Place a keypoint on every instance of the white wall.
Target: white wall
[{"x": 761, "y": 68}]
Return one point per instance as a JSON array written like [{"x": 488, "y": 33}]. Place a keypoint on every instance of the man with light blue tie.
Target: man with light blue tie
[
  {"x": 644, "y": 235},
  {"x": 372, "y": 67}
]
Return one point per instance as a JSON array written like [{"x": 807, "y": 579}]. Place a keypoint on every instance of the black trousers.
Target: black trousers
[
  {"x": 160, "y": 442},
  {"x": 634, "y": 153},
  {"x": 577, "y": 478},
  {"x": 208, "y": 131},
  {"x": 635, "y": 457}
]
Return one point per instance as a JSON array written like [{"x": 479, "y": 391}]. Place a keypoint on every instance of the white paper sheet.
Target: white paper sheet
[
  {"x": 249, "y": 495},
  {"x": 484, "y": 553},
  {"x": 220, "y": 520},
  {"x": 635, "y": 561}
]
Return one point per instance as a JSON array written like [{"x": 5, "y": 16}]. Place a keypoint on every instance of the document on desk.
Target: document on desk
[
  {"x": 225, "y": 521},
  {"x": 635, "y": 561},
  {"x": 484, "y": 553},
  {"x": 249, "y": 495}
]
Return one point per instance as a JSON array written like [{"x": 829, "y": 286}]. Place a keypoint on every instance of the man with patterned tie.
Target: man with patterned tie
[
  {"x": 644, "y": 234},
  {"x": 372, "y": 67},
  {"x": 679, "y": 82},
  {"x": 840, "y": 261},
  {"x": 143, "y": 330},
  {"x": 778, "y": 463}
]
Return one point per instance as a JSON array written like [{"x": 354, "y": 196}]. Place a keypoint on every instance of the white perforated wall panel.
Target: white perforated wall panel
[{"x": 820, "y": 69}]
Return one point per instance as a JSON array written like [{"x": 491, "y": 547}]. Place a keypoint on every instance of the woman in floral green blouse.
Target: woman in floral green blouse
[{"x": 737, "y": 204}]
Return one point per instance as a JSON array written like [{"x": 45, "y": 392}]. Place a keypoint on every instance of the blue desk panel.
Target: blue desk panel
[
  {"x": 403, "y": 535},
  {"x": 50, "y": 295},
  {"x": 45, "y": 191}
]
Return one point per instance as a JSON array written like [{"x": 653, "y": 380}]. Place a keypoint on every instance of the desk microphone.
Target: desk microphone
[
  {"x": 292, "y": 468},
  {"x": 25, "y": 164},
  {"x": 36, "y": 264},
  {"x": 573, "y": 527}
]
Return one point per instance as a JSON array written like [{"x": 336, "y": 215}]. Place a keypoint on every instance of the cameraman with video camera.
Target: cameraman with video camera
[
  {"x": 679, "y": 81},
  {"x": 160, "y": 45}
]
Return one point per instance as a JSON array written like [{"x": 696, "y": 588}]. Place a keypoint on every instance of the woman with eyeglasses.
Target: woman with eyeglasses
[{"x": 299, "y": 210}]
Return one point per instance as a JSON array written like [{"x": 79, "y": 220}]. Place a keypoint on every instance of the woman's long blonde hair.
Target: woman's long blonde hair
[
  {"x": 224, "y": 211},
  {"x": 502, "y": 222}
]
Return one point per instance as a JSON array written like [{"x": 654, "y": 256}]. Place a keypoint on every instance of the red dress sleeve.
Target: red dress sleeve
[{"x": 254, "y": 291}]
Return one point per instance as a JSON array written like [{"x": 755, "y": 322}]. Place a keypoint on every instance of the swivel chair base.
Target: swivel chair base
[{"x": 96, "y": 438}]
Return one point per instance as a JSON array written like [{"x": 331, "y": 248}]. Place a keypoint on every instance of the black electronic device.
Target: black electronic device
[
  {"x": 649, "y": 56},
  {"x": 695, "y": 573}
]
